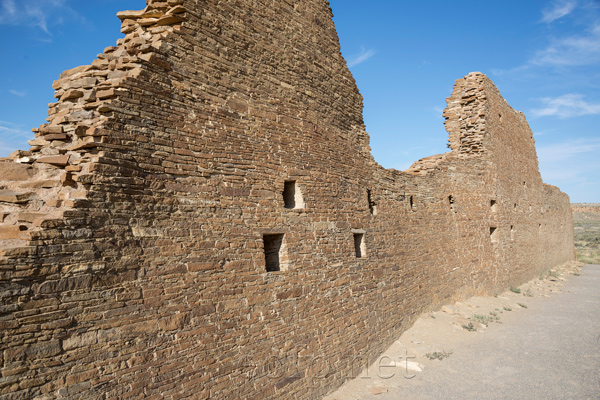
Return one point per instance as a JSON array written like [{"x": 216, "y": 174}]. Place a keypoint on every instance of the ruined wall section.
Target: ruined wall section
[
  {"x": 148, "y": 244},
  {"x": 155, "y": 280},
  {"x": 65, "y": 255},
  {"x": 531, "y": 215},
  {"x": 519, "y": 203}
]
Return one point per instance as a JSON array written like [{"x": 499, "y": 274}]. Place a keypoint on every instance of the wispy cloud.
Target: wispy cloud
[
  {"x": 8, "y": 8},
  {"x": 557, "y": 10},
  {"x": 571, "y": 51},
  {"x": 567, "y": 150},
  {"x": 17, "y": 93},
  {"x": 363, "y": 56},
  {"x": 574, "y": 45},
  {"x": 12, "y": 137},
  {"x": 36, "y": 13},
  {"x": 566, "y": 106}
]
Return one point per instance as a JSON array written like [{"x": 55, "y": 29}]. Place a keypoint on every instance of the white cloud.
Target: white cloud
[
  {"x": 558, "y": 10},
  {"x": 8, "y": 8},
  {"x": 17, "y": 93},
  {"x": 571, "y": 51},
  {"x": 12, "y": 137},
  {"x": 36, "y": 13},
  {"x": 363, "y": 56},
  {"x": 566, "y": 106},
  {"x": 568, "y": 150}
]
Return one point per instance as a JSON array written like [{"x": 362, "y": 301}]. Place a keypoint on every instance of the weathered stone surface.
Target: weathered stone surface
[
  {"x": 47, "y": 183},
  {"x": 11, "y": 171},
  {"x": 55, "y": 160},
  {"x": 9, "y": 196},
  {"x": 10, "y": 231},
  {"x": 57, "y": 136},
  {"x": 80, "y": 340},
  {"x": 218, "y": 224}
]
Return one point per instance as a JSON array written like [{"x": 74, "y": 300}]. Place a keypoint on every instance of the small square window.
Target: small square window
[
  {"x": 372, "y": 204},
  {"x": 292, "y": 195},
  {"x": 494, "y": 234},
  {"x": 274, "y": 252},
  {"x": 360, "y": 248}
]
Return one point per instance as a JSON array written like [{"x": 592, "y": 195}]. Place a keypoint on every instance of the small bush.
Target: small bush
[
  {"x": 469, "y": 327},
  {"x": 438, "y": 355}
]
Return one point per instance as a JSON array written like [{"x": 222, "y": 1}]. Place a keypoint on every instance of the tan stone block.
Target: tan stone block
[
  {"x": 74, "y": 71},
  {"x": 105, "y": 94},
  {"x": 172, "y": 322},
  {"x": 147, "y": 21},
  {"x": 130, "y": 14},
  {"x": 30, "y": 216},
  {"x": 58, "y": 136},
  {"x": 60, "y": 161},
  {"x": 202, "y": 266},
  {"x": 12, "y": 171},
  {"x": 9, "y": 196},
  {"x": 71, "y": 94},
  {"x": 51, "y": 129},
  {"x": 80, "y": 340}
]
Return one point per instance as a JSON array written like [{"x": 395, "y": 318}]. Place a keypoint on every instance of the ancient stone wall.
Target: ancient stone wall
[{"x": 201, "y": 215}]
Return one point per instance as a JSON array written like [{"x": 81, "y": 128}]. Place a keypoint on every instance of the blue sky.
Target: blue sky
[{"x": 544, "y": 56}]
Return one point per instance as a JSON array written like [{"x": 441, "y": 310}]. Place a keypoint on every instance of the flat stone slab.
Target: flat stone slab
[
  {"x": 10, "y": 232},
  {"x": 60, "y": 161},
  {"x": 8, "y": 196},
  {"x": 12, "y": 171}
]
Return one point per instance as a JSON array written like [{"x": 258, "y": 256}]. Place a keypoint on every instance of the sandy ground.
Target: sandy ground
[{"x": 437, "y": 337}]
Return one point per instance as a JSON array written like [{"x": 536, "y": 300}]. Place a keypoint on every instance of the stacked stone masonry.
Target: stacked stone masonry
[{"x": 137, "y": 231}]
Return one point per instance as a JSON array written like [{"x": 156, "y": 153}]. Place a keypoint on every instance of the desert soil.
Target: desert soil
[{"x": 541, "y": 340}]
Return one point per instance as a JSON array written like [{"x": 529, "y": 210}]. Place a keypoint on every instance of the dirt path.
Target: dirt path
[{"x": 541, "y": 343}]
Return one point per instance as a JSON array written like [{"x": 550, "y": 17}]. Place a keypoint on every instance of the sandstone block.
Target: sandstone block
[
  {"x": 71, "y": 94},
  {"x": 173, "y": 322},
  {"x": 8, "y": 196},
  {"x": 51, "y": 129},
  {"x": 12, "y": 171},
  {"x": 106, "y": 94},
  {"x": 57, "y": 136},
  {"x": 61, "y": 285},
  {"x": 45, "y": 184},
  {"x": 44, "y": 349},
  {"x": 169, "y": 20},
  {"x": 130, "y": 14},
  {"x": 80, "y": 340},
  {"x": 60, "y": 161},
  {"x": 30, "y": 216}
]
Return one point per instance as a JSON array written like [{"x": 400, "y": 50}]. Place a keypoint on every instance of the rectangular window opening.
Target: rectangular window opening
[
  {"x": 413, "y": 207},
  {"x": 359, "y": 245},
  {"x": 292, "y": 195},
  {"x": 512, "y": 233},
  {"x": 273, "y": 245},
  {"x": 494, "y": 234},
  {"x": 493, "y": 205},
  {"x": 372, "y": 204}
]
